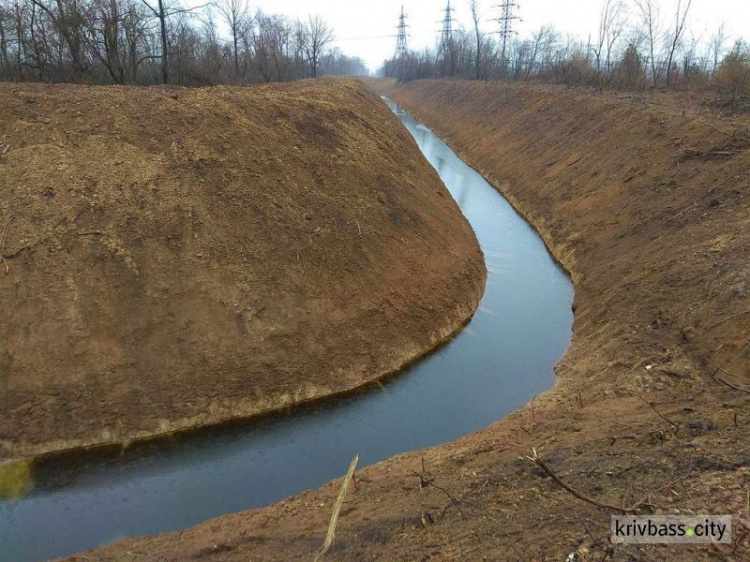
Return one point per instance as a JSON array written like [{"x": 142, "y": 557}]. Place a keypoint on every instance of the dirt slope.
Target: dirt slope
[
  {"x": 649, "y": 207},
  {"x": 175, "y": 257}
]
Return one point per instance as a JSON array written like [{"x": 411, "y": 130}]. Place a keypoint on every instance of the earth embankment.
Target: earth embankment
[
  {"x": 646, "y": 200},
  {"x": 174, "y": 258}
]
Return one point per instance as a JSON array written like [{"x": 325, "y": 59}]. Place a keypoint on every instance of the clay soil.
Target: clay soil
[
  {"x": 173, "y": 258},
  {"x": 646, "y": 200}
]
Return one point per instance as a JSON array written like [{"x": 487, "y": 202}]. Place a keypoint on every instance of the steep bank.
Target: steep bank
[
  {"x": 174, "y": 258},
  {"x": 647, "y": 205}
]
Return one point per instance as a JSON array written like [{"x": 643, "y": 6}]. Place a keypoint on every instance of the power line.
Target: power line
[{"x": 363, "y": 38}]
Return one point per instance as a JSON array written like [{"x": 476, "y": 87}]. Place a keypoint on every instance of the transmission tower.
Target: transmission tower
[
  {"x": 447, "y": 32},
  {"x": 402, "y": 48},
  {"x": 506, "y": 24}
]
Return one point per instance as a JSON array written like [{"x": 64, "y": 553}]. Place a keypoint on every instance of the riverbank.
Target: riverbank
[
  {"x": 175, "y": 258},
  {"x": 647, "y": 205}
]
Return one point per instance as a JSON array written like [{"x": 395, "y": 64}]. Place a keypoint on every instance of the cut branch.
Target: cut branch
[
  {"x": 720, "y": 322},
  {"x": 331, "y": 535},
  {"x": 535, "y": 458},
  {"x": 662, "y": 416},
  {"x": 4, "y": 237},
  {"x": 425, "y": 482}
]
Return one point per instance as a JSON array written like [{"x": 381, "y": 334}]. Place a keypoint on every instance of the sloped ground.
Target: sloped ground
[
  {"x": 648, "y": 205},
  {"x": 174, "y": 258}
]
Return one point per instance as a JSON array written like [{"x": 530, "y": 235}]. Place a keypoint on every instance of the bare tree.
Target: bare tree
[
  {"x": 264, "y": 45},
  {"x": 716, "y": 47},
  {"x": 604, "y": 22},
  {"x": 160, "y": 12},
  {"x": 542, "y": 43},
  {"x": 20, "y": 17},
  {"x": 213, "y": 54},
  {"x": 616, "y": 28},
  {"x": 152, "y": 41},
  {"x": 650, "y": 18},
  {"x": 182, "y": 30},
  {"x": 236, "y": 16},
  {"x": 281, "y": 34},
  {"x": 5, "y": 19},
  {"x": 67, "y": 18},
  {"x": 478, "y": 36},
  {"x": 103, "y": 37},
  {"x": 315, "y": 36},
  {"x": 681, "y": 14}
]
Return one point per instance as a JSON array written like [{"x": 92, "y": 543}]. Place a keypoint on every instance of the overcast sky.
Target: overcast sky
[{"x": 367, "y": 28}]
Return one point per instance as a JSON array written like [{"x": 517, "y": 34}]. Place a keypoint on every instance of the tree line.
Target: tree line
[
  {"x": 162, "y": 41},
  {"x": 636, "y": 46}
]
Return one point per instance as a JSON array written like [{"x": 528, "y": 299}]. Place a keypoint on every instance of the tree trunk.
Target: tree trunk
[
  {"x": 164, "y": 44},
  {"x": 4, "y": 60},
  {"x": 236, "y": 54}
]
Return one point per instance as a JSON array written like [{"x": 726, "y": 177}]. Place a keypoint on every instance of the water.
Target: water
[{"x": 501, "y": 360}]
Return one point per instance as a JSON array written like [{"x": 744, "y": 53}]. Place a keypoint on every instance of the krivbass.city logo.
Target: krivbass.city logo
[{"x": 674, "y": 529}]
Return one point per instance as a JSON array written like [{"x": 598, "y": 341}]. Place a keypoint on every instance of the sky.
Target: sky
[{"x": 367, "y": 28}]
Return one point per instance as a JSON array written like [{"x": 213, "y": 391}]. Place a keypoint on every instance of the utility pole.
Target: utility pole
[
  {"x": 506, "y": 25},
  {"x": 402, "y": 48}
]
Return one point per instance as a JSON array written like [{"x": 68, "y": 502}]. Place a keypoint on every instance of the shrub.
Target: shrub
[
  {"x": 733, "y": 75},
  {"x": 628, "y": 73}
]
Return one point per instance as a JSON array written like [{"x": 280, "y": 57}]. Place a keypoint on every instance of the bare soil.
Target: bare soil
[
  {"x": 173, "y": 258},
  {"x": 647, "y": 203}
]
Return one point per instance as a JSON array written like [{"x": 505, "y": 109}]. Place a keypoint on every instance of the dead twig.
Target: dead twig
[
  {"x": 712, "y": 326},
  {"x": 594, "y": 541},
  {"x": 424, "y": 482},
  {"x": 689, "y": 207},
  {"x": 733, "y": 134},
  {"x": 331, "y": 535},
  {"x": 695, "y": 306},
  {"x": 662, "y": 416},
  {"x": 301, "y": 260},
  {"x": 729, "y": 384},
  {"x": 4, "y": 237},
  {"x": 741, "y": 538},
  {"x": 740, "y": 354},
  {"x": 16, "y": 253},
  {"x": 723, "y": 369},
  {"x": 535, "y": 458}
]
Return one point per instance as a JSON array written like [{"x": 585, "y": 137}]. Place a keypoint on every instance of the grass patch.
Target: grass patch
[{"x": 15, "y": 479}]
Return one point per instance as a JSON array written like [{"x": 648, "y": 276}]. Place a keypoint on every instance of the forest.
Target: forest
[{"x": 162, "y": 42}]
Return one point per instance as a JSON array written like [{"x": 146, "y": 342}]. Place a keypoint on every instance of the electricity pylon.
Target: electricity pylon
[
  {"x": 447, "y": 32},
  {"x": 401, "y": 45},
  {"x": 506, "y": 25}
]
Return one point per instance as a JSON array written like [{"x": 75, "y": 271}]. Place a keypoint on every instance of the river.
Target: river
[{"x": 501, "y": 360}]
